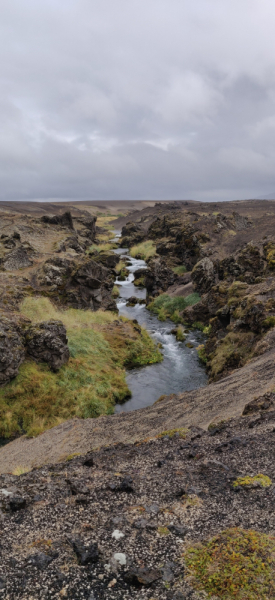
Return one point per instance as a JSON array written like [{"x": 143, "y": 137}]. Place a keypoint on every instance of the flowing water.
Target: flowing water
[{"x": 180, "y": 369}]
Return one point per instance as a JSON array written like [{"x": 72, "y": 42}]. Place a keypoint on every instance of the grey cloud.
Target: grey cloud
[{"x": 132, "y": 99}]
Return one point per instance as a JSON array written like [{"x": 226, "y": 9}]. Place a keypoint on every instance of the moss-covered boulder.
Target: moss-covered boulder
[{"x": 47, "y": 342}]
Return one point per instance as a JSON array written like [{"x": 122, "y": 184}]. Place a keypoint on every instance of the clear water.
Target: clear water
[{"x": 180, "y": 369}]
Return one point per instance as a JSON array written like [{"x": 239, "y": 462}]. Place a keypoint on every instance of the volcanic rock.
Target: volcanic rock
[{"x": 47, "y": 342}]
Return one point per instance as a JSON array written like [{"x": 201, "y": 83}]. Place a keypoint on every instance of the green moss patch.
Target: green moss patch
[
  {"x": 167, "y": 307},
  {"x": 256, "y": 481},
  {"x": 236, "y": 564}
]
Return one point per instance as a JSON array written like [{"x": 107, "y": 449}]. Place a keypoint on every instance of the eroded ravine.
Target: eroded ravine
[{"x": 180, "y": 369}]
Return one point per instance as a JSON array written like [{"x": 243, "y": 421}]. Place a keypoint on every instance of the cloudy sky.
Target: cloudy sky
[{"x": 136, "y": 99}]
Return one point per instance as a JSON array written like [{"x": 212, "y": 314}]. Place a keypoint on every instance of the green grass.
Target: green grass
[
  {"x": 179, "y": 270},
  {"x": 236, "y": 564},
  {"x": 169, "y": 308},
  {"x": 180, "y": 335},
  {"x": 115, "y": 291},
  {"x": 101, "y": 247},
  {"x": 91, "y": 382},
  {"x": 201, "y": 353},
  {"x": 145, "y": 249}
]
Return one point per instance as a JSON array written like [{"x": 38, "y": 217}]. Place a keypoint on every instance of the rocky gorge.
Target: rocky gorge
[{"x": 171, "y": 501}]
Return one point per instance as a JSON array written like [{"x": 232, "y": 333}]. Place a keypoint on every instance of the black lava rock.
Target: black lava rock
[
  {"x": 17, "y": 503},
  {"x": 85, "y": 555}
]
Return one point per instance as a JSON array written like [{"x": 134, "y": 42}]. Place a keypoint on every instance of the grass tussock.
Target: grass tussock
[
  {"x": 101, "y": 248},
  {"x": 115, "y": 291},
  {"x": 20, "y": 470},
  {"x": 170, "y": 308},
  {"x": 144, "y": 250},
  {"x": 179, "y": 270},
  {"x": 89, "y": 385},
  {"x": 236, "y": 564}
]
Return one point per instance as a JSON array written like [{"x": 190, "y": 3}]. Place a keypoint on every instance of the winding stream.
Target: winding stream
[{"x": 180, "y": 369}]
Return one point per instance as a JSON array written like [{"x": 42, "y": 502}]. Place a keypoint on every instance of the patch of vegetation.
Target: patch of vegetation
[
  {"x": 232, "y": 352},
  {"x": 105, "y": 237},
  {"x": 20, "y": 470},
  {"x": 72, "y": 456},
  {"x": 198, "y": 325},
  {"x": 167, "y": 307},
  {"x": 179, "y": 270},
  {"x": 182, "y": 431},
  {"x": 105, "y": 220},
  {"x": 258, "y": 480},
  {"x": 140, "y": 282},
  {"x": 101, "y": 248},
  {"x": 145, "y": 250},
  {"x": 269, "y": 322},
  {"x": 92, "y": 381},
  {"x": 237, "y": 289},
  {"x": 180, "y": 335},
  {"x": 201, "y": 353},
  {"x": 270, "y": 254},
  {"x": 163, "y": 531},
  {"x": 236, "y": 564},
  {"x": 115, "y": 292},
  {"x": 119, "y": 267}
]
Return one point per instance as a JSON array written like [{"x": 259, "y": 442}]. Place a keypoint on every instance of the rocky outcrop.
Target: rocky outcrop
[
  {"x": 83, "y": 284},
  {"x": 203, "y": 276},
  {"x": 12, "y": 350},
  {"x": 71, "y": 243},
  {"x": 17, "y": 259},
  {"x": 89, "y": 227},
  {"x": 158, "y": 277},
  {"x": 246, "y": 265},
  {"x": 108, "y": 259},
  {"x": 64, "y": 220},
  {"x": 47, "y": 342},
  {"x": 131, "y": 234},
  {"x": 14, "y": 254}
]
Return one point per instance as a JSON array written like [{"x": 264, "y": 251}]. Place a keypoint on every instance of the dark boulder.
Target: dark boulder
[
  {"x": 41, "y": 561},
  {"x": 108, "y": 259},
  {"x": 158, "y": 277},
  {"x": 12, "y": 351},
  {"x": 17, "y": 503},
  {"x": 203, "y": 276},
  {"x": 262, "y": 403},
  {"x": 47, "y": 342},
  {"x": 82, "y": 283},
  {"x": 71, "y": 243},
  {"x": 64, "y": 220},
  {"x": 19, "y": 258},
  {"x": 85, "y": 554},
  {"x": 89, "y": 224}
]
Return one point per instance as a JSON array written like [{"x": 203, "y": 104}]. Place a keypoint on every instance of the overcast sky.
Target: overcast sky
[{"x": 128, "y": 99}]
